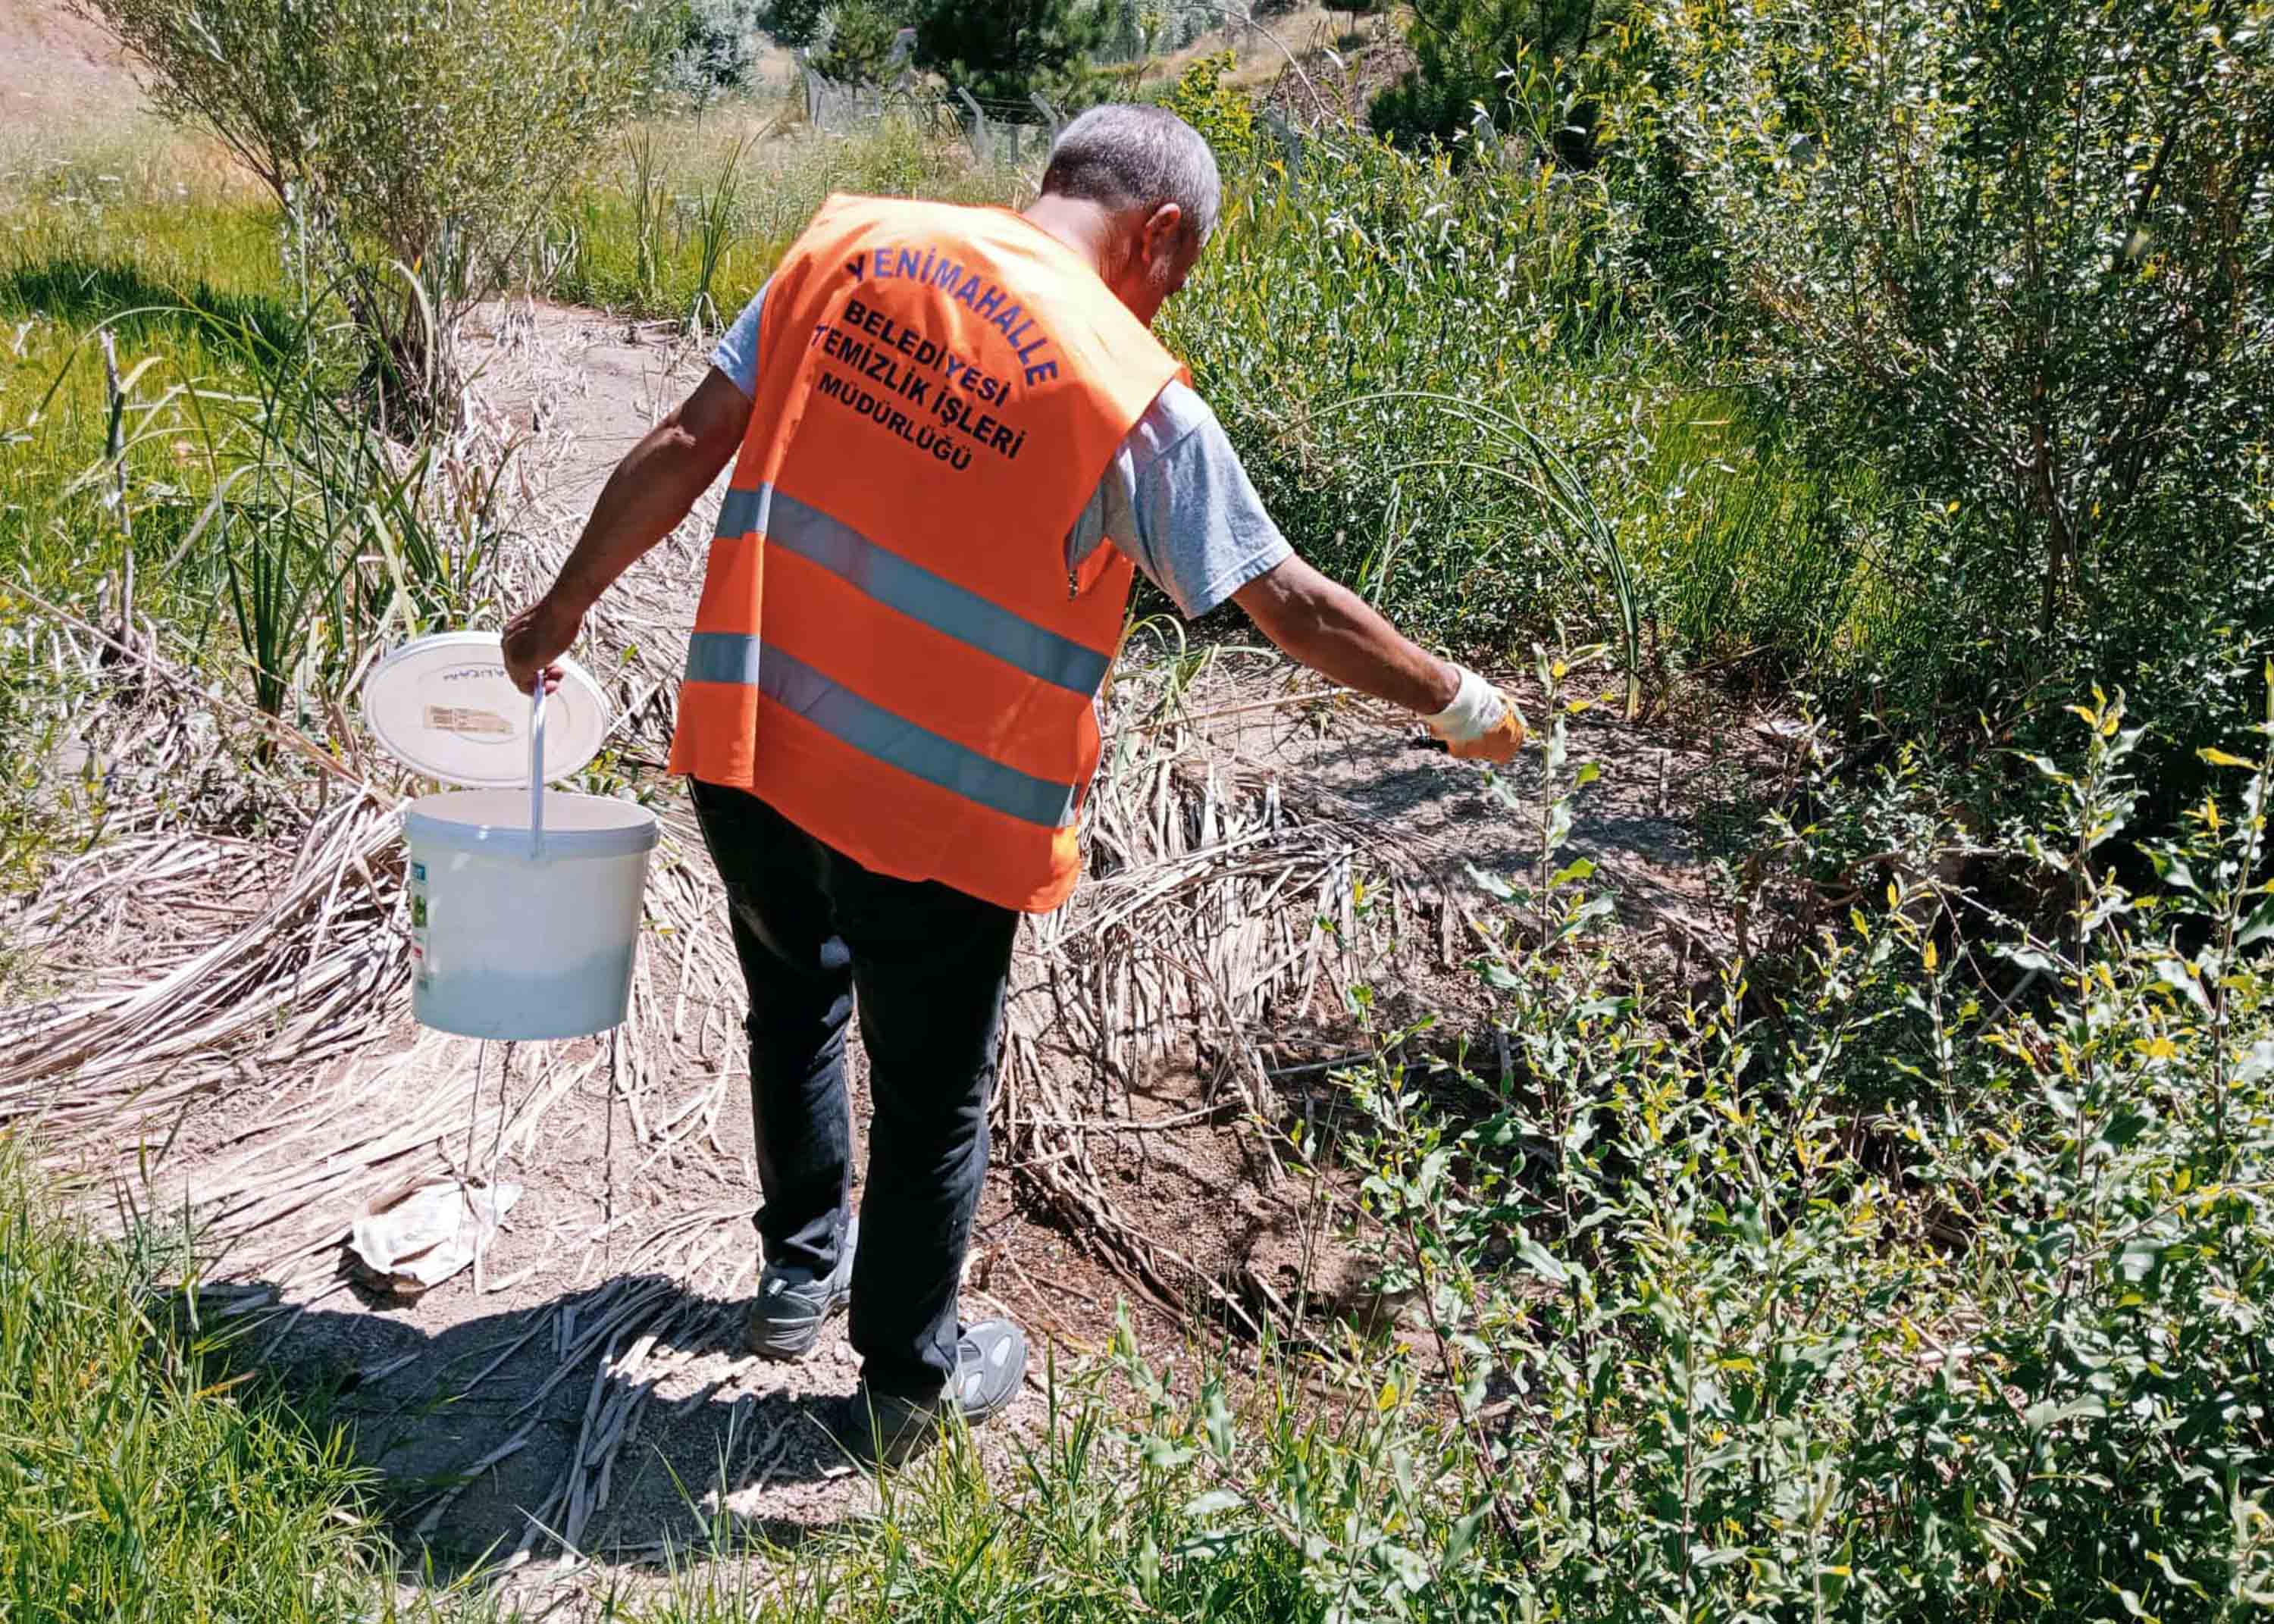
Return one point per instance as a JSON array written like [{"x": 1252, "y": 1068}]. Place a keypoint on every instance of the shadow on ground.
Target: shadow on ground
[
  {"x": 75, "y": 290},
  {"x": 626, "y": 1419}
]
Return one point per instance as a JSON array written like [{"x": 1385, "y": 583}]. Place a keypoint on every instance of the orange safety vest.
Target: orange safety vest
[{"x": 894, "y": 649}]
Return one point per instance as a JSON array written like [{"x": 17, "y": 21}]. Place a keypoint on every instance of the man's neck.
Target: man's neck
[{"x": 1080, "y": 225}]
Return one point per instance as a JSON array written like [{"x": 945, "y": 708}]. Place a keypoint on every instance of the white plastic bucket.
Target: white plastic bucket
[{"x": 517, "y": 935}]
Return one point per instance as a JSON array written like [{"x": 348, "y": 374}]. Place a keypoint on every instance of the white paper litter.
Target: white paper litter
[{"x": 414, "y": 1239}]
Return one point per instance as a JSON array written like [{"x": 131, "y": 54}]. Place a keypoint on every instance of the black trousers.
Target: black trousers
[{"x": 930, "y": 967}]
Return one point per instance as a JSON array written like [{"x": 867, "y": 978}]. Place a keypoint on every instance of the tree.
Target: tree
[
  {"x": 417, "y": 147},
  {"x": 793, "y": 22},
  {"x": 712, "y": 46},
  {"x": 1005, "y": 50},
  {"x": 862, "y": 41},
  {"x": 2021, "y": 258},
  {"x": 1464, "y": 51}
]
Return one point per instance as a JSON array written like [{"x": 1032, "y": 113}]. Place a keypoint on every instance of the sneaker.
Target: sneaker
[
  {"x": 786, "y": 1317},
  {"x": 885, "y": 1429}
]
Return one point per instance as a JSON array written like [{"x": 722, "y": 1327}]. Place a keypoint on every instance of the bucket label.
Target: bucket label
[
  {"x": 469, "y": 721},
  {"x": 421, "y": 972}
]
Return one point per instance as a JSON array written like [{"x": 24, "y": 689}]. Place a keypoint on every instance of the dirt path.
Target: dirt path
[{"x": 577, "y": 1402}]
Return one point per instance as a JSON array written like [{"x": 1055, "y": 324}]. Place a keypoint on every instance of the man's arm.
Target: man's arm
[
  {"x": 1188, "y": 516},
  {"x": 1320, "y": 623},
  {"x": 1324, "y": 625},
  {"x": 650, "y": 492}
]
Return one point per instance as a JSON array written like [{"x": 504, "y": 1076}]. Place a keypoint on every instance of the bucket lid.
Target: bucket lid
[{"x": 443, "y": 706}]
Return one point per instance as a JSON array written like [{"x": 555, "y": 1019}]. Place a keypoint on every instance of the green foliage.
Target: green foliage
[
  {"x": 420, "y": 145},
  {"x": 723, "y": 199},
  {"x": 260, "y": 499},
  {"x": 133, "y": 1485},
  {"x": 1465, "y": 50},
  {"x": 1224, "y": 116},
  {"x": 1007, "y": 50},
  {"x": 709, "y": 42},
  {"x": 1880, "y": 1296},
  {"x": 1389, "y": 344},
  {"x": 2020, "y": 259},
  {"x": 858, "y": 50},
  {"x": 793, "y": 22}
]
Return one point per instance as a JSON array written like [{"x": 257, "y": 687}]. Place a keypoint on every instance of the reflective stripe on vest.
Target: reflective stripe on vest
[
  {"x": 784, "y": 522},
  {"x": 735, "y": 657}
]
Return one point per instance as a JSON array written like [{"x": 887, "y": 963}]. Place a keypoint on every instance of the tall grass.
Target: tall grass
[
  {"x": 137, "y": 1481},
  {"x": 1453, "y": 391},
  {"x": 701, "y": 214}
]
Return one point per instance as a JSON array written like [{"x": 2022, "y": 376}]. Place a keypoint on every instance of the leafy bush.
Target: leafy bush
[
  {"x": 421, "y": 144},
  {"x": 858, "y": 46},
  {"x": 1465, "y": 50},
  {"x": 2021, "y": 260},
  {"x": 1931, "y": 1286},
  {"x": 711, "y": 47},
  {"x": 1224, "y": 116}
]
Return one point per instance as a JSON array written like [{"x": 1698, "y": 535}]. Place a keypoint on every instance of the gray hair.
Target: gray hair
[{"x": 1123, "y": 155}]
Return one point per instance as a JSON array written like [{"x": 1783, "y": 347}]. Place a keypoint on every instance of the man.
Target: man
[{"x": 954, "y": 436}]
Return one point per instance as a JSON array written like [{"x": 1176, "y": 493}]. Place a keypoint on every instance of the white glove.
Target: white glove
[{"x": 1481, "y": 723}]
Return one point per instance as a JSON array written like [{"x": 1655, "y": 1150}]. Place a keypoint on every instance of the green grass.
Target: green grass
[
  {"x": 1393, "y": 345},
  {"x": 147, "y": 1476},
  {"x": 632, "y": 233},
  {"x": 136, "y": 1482},
  {"x": 1079, "y": 1532}
]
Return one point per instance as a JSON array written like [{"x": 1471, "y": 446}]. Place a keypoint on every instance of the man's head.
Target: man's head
[{"x": 1154, "y": 182}]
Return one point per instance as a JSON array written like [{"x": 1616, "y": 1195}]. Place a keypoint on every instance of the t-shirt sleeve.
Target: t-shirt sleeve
[
  {"x": 1177, "y": 500},
  {"x": 737, "y": 354}
]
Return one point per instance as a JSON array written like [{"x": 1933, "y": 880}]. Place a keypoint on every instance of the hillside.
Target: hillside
[{"x": 58, "y": 69}]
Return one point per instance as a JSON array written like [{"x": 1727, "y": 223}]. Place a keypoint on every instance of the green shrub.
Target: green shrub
[
  {"x": 1920, "y": 1276},
  {"x": 1225, "y": 119},
  {"x": 1465, "y": 52},
  {"x": 420, "y": 145},
  {"x": 2019, "y": 259}
]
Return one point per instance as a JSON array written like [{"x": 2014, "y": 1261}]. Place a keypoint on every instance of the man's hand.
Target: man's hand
[
  {"x": 1482, "y": 724},
  {"x": 536, "y": 637},
  {"x": 650, "y": 492}
]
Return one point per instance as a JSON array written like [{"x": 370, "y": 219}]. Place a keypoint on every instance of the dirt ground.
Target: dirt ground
[
  {"x": 576, "y": 1407},
  {"x": 58, "y": 69}
]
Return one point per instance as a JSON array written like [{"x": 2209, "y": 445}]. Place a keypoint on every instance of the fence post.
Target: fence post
[
  {"x": 978, "y": 126},
  {"x": 1057, "y": 121},
  {"x": 812, "y": 90},
  {"x": 1289, "y": 141}
]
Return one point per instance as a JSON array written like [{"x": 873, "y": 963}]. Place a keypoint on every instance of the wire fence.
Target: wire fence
[
  {"x": 999, "y": 132},
  {"x": 1002, "y": 133}
]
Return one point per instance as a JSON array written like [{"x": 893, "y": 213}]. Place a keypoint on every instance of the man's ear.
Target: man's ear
[{"x": 1162, "y": 227}]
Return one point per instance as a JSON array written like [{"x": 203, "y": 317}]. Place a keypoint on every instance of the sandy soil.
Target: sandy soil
[{"x": 58, "y": 70}]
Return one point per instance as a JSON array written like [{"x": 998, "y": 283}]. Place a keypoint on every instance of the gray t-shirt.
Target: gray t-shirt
[{"x": 1175, "y": 499}]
